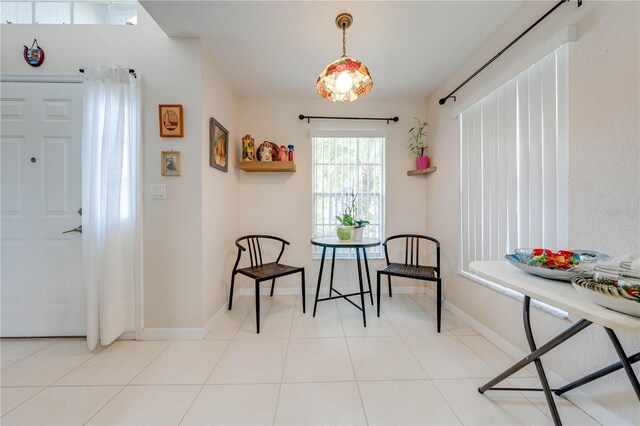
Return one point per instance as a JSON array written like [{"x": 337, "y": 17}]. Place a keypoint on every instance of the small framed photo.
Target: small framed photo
[
  {"x": 170, "y": 163},
  {"x": 171, "y": 123},
  {"x": 218, "y": 146}
]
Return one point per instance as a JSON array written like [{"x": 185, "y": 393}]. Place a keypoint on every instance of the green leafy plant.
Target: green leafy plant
[
  {"x": 362, "y": 223},
  {"x": 348, "y": 218},
  {"x": 345, "y": 220},
  {"x": 417, "y": 133}
]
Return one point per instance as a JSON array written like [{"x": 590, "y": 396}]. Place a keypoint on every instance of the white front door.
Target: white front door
[{"x": 42, "y": 290}]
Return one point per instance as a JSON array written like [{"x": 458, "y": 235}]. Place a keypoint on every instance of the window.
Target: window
[
  {"x": 68, "y": 12},
  {"x": 514, "y": 164},
  {"x": 346, "y": 163}
]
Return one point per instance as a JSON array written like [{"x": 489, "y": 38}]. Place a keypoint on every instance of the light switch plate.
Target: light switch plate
[{"x": 158, "y": 191}]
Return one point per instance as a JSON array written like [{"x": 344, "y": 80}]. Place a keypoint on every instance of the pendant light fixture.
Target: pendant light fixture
[{"x": 345, "y": 79}]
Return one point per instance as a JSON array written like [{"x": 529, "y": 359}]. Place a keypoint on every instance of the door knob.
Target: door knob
[{"x": 76, "y": 229}]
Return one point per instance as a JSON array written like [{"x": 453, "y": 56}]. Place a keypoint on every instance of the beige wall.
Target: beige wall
[
  {"x": 182, "y": 261},
  {"x": 281, "y": 204},
  {"x": 604, "y": 135},
  {"x": 220, "y": 191}
]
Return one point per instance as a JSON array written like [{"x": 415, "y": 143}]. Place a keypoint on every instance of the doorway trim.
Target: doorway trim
[{"x": 138, "y": 272}]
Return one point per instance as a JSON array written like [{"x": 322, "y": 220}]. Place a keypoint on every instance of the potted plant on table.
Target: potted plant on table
[
  {"x": 351, "y": 228},
  {"x": 359, "y": 229},
  {"x": 416, "y": 143},
  {"x": 345, "y": 229}
]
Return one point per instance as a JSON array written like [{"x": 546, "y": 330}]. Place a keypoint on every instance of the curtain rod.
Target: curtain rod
[
  {"x": 131, "y": 71},
  {"x": 450, "y": 95},
  {"x": 319, "y": 117}
]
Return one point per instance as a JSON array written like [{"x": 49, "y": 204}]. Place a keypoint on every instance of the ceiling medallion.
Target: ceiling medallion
[{"x": 345, "y": 79}]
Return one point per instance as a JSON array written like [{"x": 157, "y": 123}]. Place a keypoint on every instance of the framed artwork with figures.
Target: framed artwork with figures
[
  {"x": 171, "y": 122},
  {"x": 218, "y": 146},
  {"x": 170, "y": 163}
]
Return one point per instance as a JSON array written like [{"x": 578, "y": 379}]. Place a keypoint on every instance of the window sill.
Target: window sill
[{"x": 558, "y": 313}]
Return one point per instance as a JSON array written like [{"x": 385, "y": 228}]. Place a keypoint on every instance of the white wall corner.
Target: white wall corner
[{"x": 208, "y": 326}]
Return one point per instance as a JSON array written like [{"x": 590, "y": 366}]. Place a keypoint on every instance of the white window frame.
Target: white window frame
[
  {"x": 518, "y": 109},
  {"x": 372, "y": 253},
  {"x": 71, "y": 11}
]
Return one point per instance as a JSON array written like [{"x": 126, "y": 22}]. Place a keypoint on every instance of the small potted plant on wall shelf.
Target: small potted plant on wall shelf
[{"x": 416, "y": 143}]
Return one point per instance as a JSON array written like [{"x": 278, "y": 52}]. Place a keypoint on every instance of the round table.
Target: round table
[{"x": 334, "y": 243}]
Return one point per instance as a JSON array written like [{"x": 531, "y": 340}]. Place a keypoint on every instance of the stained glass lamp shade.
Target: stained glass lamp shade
[{"x": 345, "y": 79}]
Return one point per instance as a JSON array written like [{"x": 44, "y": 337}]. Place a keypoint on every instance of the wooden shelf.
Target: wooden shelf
[
  {"x": 421, "y": 171},
  {"x": 268, "y": 166}
]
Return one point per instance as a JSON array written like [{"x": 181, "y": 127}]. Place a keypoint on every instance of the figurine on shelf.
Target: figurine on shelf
[
  {"x": 248, "y": 148},
  {"x": 283, "y": 153},
  {"x": 290, "y": 152},
  {"x": 267, "y": 151}
]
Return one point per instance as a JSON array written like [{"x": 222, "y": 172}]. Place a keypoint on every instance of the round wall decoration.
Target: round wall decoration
[{"x": 34, "y": 55}]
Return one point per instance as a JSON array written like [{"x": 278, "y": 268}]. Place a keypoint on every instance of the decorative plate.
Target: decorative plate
[
  {"x": 521, "y": 257},
  {"x": 610, "y": 296}
]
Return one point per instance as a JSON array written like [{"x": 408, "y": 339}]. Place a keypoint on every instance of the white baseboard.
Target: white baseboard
[
  {"x": 208, "y": 326},
  {"x": 577, "y": 397},
  {"x": 194, "y": 333},
  {"x": 127, "y": 335}
]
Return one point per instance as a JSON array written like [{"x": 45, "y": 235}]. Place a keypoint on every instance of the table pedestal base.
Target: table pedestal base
[{"x": 332, "y": 290}]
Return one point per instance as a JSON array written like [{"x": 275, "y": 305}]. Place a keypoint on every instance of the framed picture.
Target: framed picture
[
  {"x": 171, "y": 123},
  {"x": 170, "y": 163},
  {"x": 218, "y": 146}
]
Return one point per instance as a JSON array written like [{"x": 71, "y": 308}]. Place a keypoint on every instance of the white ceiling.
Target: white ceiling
[{"x": 277, "y": 49}]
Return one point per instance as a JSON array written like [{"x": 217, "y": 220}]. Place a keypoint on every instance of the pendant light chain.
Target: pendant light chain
[{"x": 345, "y": 79}]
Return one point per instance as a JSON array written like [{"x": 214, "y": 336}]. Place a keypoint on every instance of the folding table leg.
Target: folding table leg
[
  {"x": 541, "y": 374},
  {"x": 550, "y": 345},
  {"x": 596, "y": 375},
  {"x": 625, "y": 361}
]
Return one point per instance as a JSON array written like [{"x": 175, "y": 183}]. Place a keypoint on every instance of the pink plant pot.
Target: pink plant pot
[{"x": 422, "y": 162}]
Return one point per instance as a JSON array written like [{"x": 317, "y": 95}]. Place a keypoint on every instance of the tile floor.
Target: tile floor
[{"x": 299, "y": 370}]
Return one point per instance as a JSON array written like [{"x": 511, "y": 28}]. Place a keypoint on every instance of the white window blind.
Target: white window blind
[
  {"x": 69, "y": 12},
  {"x": 346, "y": 163},
  {"x": 514, "y": 164}
]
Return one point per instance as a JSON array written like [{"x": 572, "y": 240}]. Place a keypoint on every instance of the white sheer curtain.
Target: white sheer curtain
[
  {"x": 111, "y": 153},
  {"x": 514, "y": 163}
]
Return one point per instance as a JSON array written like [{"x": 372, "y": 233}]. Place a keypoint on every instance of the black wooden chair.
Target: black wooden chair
[
  {"x": 260, "y": 271},
  {"x": 411, "y": 267}
]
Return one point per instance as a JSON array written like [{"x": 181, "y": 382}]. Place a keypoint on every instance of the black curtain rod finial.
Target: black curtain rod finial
[
  {"x": 444, "y": 100},
  {"x": 131, "y": 71}
]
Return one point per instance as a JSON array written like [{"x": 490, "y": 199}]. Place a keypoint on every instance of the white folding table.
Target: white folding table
[{"x": 562, "y": 295}]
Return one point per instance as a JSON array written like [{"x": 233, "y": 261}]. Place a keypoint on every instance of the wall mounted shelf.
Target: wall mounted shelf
[
  {"x": 268, "y": 166},
  {"x": 422, "y": 171}
]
